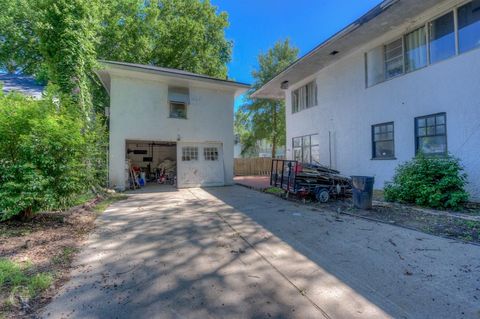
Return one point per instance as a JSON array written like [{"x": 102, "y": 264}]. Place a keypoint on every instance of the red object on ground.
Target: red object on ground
[{"x": 255, "y": 182}]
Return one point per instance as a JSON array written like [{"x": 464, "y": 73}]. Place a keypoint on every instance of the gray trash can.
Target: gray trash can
[{"x": 362, "y": 192}]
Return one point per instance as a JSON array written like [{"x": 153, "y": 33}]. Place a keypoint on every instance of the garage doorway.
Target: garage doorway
[{"x": 150, "y": 163}]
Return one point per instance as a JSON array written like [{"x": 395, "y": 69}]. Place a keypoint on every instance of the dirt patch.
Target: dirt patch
[
  {"x": 464, "y": 226},
  {"x": 45, "y": 245}
]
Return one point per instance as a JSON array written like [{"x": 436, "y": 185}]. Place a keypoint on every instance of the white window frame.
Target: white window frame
[
  {"x": 210, "y": 153},
  {"x": 305, "y": 97},
  {"x": 426, "y": 25},
  {"x": 189, "y": 153}
]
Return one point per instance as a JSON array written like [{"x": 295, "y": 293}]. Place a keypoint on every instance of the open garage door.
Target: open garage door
[{"x": 200, "y": 164}]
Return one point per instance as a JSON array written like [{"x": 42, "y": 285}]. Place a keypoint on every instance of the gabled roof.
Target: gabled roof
[
  {"x": 22, "y": 84},
  {"x": 386, "y": 16},
  {"x": 164, "y": 72}
]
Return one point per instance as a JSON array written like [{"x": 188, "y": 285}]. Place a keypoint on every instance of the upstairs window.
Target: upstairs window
[
  {"x": 394, "y": 59},
  {"x": 431, "y": 134},
  {"x": 416, "y": 50},
  {"x": 304, "y": 97},
  {"x": 383, "y": 141},
  {"x": 178, "y": 110},
  {"x": 442, "y": 38},
  {"x": 178, "y": 99},
  {"x": 420, "y": 48},
  {"x": 469, "y": 26}
]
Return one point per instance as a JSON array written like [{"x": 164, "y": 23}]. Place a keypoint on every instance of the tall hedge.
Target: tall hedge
[
  {"x": 47, "y": 155},
  {"x": 436, "y": 182}
]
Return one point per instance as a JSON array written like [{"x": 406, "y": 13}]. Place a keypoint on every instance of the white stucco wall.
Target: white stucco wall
[
  {"x": 348, "y": 110},
  {"x": 140, "y": 111}
]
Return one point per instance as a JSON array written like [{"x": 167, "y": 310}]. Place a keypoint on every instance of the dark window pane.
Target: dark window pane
[
  {"x": 421, "y": 122},
  {"x": 441, "y": 130},
  {"x": 384, "y": 149},
  {"x": 416, "y": 50},
  {"x": 432, "y": 145},
  {"x": 442, "y": 38},
  {"x": 430, "y": 121},
  {"x": 440, "y": 119},
  {"x": 422, "y": 131},
  {"x": 431, "y": 130},
  {"x": 469, "y": 26}
]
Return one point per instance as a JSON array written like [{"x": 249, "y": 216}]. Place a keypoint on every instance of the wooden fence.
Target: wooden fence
[{"x": 252, "y": 166}]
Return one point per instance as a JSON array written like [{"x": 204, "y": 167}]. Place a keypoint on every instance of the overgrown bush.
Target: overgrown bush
[
  {"x": 48, "y": 154},
  {"x": 436, "y": 182}
]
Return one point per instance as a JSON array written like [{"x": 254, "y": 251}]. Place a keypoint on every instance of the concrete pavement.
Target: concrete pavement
[{"x": 235, "y": 253}]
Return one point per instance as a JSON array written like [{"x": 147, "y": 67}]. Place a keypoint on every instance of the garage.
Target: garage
[
  {"x": 169, "y": 127},
  {"x": 201, "y": 164},
  {"x": 150, "y": 162},
  {"x": 171, "y": 163}
]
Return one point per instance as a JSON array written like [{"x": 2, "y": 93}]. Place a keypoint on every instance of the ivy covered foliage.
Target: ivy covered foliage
[
  {"x": 436, "y": 182},
  {"x": 47, "y": 156}
]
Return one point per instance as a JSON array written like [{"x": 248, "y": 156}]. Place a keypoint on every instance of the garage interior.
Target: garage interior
[{"x": 150, "y": 162}]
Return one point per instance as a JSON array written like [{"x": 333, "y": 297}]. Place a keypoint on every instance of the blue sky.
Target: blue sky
[{"x": 255, "y": 25}]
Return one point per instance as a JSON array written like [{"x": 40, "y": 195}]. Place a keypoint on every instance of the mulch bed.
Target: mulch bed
[{"x": 47, "y": 243}]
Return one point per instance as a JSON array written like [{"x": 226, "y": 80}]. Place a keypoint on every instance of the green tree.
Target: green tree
[
  {"x": 268, "y": 116},
  {"x": 181, "y": 34}
]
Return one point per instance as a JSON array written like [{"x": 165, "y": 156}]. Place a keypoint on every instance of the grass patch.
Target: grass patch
[
  {"x": 83, "y": 198},
  {"x": 274, "y": 190},
  {"x": 101, "y": 206},
  {"x": 19, "y": 279},
  {"x": 65, "y": 257}
]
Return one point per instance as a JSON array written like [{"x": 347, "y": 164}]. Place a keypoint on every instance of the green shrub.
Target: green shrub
[
  {"x": 48, "y": 155},
  {"x": 436, "y": 182}
]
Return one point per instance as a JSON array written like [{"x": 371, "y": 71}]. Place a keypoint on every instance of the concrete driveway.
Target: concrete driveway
[{"x": 235, "y": 253}]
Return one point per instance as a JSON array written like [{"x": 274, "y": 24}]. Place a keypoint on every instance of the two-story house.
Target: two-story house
[
  {"x": 166, "y": 119},
  {"x": 403, "y": 78}
]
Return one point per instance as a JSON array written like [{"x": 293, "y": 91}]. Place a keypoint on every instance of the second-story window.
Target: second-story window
[
  {"x": 178, "y": 99},
  {"x": 304, "y": 97},
  {"x": 434, "y": 41}
]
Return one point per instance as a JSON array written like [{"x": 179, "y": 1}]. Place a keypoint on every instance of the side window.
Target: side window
[
  {"x": 383, "y": 146},
  {"x": 431, "y": 134},
  {"x": 178, "y": 110},
  {"x": 306, "y": 149},
  {"x": 189, "y": 153},
  {"x": 210, "y": 153}
]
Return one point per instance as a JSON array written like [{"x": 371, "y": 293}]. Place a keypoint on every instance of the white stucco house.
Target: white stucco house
[
  {"x": 403, "y": 78},
  {"x": 159, "y": 115}
]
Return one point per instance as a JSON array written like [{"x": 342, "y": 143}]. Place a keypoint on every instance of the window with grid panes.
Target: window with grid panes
[
  {"x": 189, "y": 153},
  {"x": 210, "y": 153},
  {"x": 431, "y": 134},
  {"x": 383, "y": 146}
]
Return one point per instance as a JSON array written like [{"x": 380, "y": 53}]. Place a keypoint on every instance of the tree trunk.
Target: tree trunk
[{"x": 274, "y": 131}]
